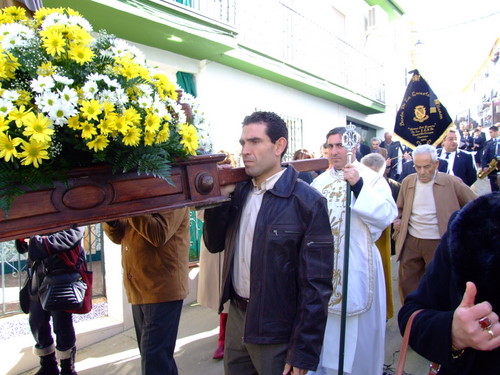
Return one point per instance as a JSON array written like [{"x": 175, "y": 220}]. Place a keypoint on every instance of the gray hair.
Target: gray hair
[
  {"x": 426, "y": 149},
  {"x": 377, "y": 139},
  {"x": 374, "y": 161}
]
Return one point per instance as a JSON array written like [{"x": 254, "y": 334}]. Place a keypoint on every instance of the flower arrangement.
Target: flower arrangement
[{"x": 71, "y": 97}]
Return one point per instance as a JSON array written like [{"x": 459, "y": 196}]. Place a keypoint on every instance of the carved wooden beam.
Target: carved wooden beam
[{"x": 94, "y": 195}]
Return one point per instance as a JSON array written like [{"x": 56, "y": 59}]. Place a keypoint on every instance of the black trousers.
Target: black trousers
[
  {"x": 62, "y": 322},
  {"x": 156, "y": 326}
]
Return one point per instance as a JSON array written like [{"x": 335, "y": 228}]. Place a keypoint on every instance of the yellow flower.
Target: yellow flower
[
  {"x": 121, "y": 124},
  {"x": 18, "y": 114},
  {"x": 80, "y": 53},
  {"x": 13, "y": 14},
  {"x": 44, "y": 12},
  {"x": 107, "y": 125},
  {"x": 189, "y": 138},
  {"x": 149, "y": 138},
  {"x": 165, "y": 86},
  {"x": 132, "y": 116},
  {"x": 108, "y": 107},
  {"x": 8, "y": 146},
  {"x": 88, "y": 130},
  {"x": 152, "y": 123},
  {"x": 74, "y": 123},
  {"x": 33, "y": 153},
  {"x": 133, "y": 137},
  {"x": 24, "y": 98},
  {"x": 38, "y": 127},
  {"x": 54, "y": 43},
  {"x": 8, "y": 65},
  {"x": 126, "y": 67},
  {"x": 163, "y": 135},
  {"x": 99, "y": 143},
  {"x": 78, "y": 34},
  {"x": 4, "y": 124},
  {"x": 91, "y": 109},
  {"x": 46, "y": 69}
]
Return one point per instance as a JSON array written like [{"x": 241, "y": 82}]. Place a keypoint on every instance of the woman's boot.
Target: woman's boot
[
  {"x": 48, "y": 363},
  {"x": 67, "y": 359},
  {"x": 219, "y": 352}
]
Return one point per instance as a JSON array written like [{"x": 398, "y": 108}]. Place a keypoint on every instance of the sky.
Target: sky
[{"x": 456, "y": 38}]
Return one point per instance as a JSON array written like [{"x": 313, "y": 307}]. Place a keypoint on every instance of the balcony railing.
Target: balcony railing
[{"x": 274, "y": 28}]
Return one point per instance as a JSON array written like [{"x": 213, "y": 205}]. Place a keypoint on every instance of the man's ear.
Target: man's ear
[{"x": 280, "y": 145}]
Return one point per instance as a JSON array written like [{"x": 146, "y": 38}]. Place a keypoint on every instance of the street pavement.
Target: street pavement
[{"x": 197, "y": 340}]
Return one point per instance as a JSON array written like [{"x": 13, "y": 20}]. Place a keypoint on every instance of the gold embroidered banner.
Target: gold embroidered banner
[{"x": 421, "y": 119}]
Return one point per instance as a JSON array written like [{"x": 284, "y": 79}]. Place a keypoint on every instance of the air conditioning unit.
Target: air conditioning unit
[{"x": 375, "y": 17}]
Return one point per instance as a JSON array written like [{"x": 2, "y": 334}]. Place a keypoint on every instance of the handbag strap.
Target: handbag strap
[
  {"x": 76, "y": 265},
  {"x": 433, "y": 368},
  {"x": 404, "y": 345}
]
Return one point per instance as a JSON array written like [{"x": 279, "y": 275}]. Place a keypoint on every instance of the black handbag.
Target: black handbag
[
  {"x": 24, "y": 296},
  {"x": 61, "y": 291}
]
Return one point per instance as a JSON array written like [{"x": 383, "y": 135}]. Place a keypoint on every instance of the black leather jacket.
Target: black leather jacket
[{"x": 291, "y": 265}]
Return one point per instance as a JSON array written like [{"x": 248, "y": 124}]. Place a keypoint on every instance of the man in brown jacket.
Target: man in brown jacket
[
  {"x": 425, "y": 203},
  {"x": 155, "y": 254}
]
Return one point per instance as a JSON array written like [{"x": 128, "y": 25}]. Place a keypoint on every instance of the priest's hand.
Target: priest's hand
[
  {"x": 290, "y": 370},
  {"x": 351, "y": 174}
]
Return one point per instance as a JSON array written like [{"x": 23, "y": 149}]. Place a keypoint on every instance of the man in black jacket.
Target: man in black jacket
[
  {"x": 460, "y": 163},
  {"x": 278, "y": 259},
  {"x": 492, "y": 152}
]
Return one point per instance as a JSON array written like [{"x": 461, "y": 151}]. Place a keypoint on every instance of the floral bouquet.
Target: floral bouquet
[{"x": 71, "y": 98}]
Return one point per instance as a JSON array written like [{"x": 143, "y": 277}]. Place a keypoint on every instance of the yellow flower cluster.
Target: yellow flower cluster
[{"x": 84, "y": 93}]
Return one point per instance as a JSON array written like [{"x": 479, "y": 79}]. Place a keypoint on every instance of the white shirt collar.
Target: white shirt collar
[{"x": 268, "y": 184}]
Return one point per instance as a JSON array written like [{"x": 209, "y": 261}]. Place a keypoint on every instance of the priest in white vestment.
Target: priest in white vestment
[{"x": 372, "y": 210}]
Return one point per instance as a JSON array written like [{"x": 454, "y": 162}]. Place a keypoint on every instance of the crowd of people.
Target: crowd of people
[{"x": 272, "y": 259}]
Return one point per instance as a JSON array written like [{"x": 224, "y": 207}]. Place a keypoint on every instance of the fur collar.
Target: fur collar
[{"x": 474, "y": 243}]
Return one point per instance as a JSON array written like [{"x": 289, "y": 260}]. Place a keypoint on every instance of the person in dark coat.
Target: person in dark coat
[
  {"x": 459, "y": 327},
  {"x": 278, "y": 258},
  {"x": 460, "y": 163},
  {"x": 43, "y": 259},
  {"x": 479, "y": 140},
  {"x": 492, "y": 152}
]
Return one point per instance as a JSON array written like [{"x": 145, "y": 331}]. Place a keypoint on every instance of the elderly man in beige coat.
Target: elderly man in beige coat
[
  {"x": 425, "y": 203},
  {"x": 155, "y": 255}
]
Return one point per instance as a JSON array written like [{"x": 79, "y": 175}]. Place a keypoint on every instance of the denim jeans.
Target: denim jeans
[
  {"x": 156, "y": 326},
  {"x": 40, "y": 327}
]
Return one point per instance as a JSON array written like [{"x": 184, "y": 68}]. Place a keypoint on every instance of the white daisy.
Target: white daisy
[
  {"x": 5, "y": 106},
  {"x": 90, "y": 89},
  {"x": 62, "y": 79},
  {"x": 47, "y": 100},
  {"x": 53, "y": 19},
  {"x": 107, "y": 96},
  {"x": 68, "y": 95},
  {"x": 145, "y": 101},
  {"x": 61, "y": 111},
  {"x": 77, "y": 20},
  {"x": 42, "y": 84},
  {"x": 111, "y": 82},
  {"x": 11, "y": 95},
  {"x": 121, "y": 96}
]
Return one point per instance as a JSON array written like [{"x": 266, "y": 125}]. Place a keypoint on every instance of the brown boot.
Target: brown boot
[{"x": 219, "y": 352}]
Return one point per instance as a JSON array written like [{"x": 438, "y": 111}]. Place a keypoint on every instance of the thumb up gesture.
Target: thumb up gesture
[{"x": 474, "y": 326}]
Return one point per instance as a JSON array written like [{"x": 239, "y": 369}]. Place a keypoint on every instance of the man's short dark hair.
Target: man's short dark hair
[
  {"x": 494, "y": 128},
  {"x": 338, "y": 130},
  {"x": 275, "y": 125}
]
